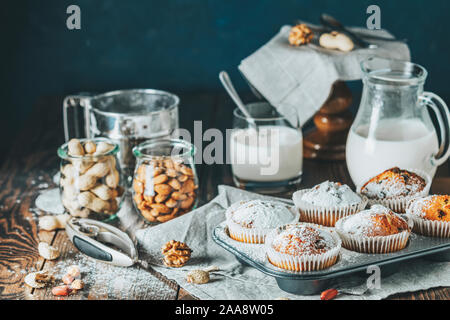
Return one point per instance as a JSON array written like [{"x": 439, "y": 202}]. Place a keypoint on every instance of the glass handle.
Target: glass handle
[
  {"x": 440, "y": 109},
  {"x": 75, "y": 101}
]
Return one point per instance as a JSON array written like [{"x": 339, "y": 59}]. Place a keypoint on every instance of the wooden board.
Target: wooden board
[{"x": 30, "y": 165}]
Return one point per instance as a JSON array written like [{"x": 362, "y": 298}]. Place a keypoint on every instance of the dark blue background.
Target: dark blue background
[{"x": 177, "y": 45}]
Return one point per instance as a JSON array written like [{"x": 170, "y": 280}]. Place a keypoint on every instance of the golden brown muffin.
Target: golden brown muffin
[
  {"x": 302, "y": 240},
  {"x": 393, "y": 183},
  {"x": 386, "y": 224},
  {"x": 374, "y": 222},
  {"x": 302, "y": 247},
  {"x": 375, "y": 230},
  {"x": 436, "y": 208}
]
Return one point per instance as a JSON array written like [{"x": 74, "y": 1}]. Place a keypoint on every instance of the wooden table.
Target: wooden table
[{"x": 32, "y": 162}]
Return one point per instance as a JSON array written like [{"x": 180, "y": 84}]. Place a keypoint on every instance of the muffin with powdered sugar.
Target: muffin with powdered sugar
[
  {"x": 250, "y": 221},
  {"x": 395, "y": 187},
  {"x": 431, "y": 215},
  {"x": 302, "y": 247},
  {"x": 375, "y": 230},
  {"x": 328, "y": 202}
]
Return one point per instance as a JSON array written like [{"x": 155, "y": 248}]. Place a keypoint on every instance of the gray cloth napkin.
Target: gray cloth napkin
[
  {"x": 302, "y": 77},
  {"x": 236, "y": 281}
]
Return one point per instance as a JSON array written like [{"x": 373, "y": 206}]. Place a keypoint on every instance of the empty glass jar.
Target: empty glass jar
[
  {"x": 165, "y": 183},
  {"x": 91, "y": 182}
]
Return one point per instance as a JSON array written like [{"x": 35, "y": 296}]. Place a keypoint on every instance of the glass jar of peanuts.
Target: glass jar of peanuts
[
  {"x": 165, "y": 183},
  {"x": 91, "y": 183}
]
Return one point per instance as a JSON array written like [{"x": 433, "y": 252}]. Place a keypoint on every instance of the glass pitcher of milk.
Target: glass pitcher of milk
[
  {"x": 393, "y": 126},
  {"x": 266, "y": 151}
]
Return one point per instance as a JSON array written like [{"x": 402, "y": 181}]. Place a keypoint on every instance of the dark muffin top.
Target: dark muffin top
[{"x": 393, "y": 183}]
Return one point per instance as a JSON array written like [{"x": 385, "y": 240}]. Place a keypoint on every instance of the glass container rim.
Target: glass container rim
[
  {"x": 63, "y": 154},
  {"x": 368, "y": 73},
  {"x": 190, "y": 149},
  {"x": 175, "y": 103},
  {"x": 238, "y": 113}
]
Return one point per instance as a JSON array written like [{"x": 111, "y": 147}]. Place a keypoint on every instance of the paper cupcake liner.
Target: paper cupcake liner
[
  {"x": 252, "y": 235},
  {"x": 326, "y": 216},
  {"x": 378, "y": 244},
  {"x": 302, "y": 263},
  {"x": 399, "y": 204},
  {"x": 439, "y": 229},
  {"x": 431, "y": 228}
]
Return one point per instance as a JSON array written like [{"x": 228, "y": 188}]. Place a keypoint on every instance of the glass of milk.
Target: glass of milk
[
  {"x": 267, "y": 158},
  {"x": 393, "y": 126}
]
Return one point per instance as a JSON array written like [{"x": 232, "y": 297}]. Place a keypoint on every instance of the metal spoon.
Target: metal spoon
[{"x": 228, "y": 85}]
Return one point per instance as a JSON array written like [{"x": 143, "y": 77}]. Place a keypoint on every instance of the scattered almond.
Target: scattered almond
[
  {"x": 328, "y": 294},
  {"x": 61, "y": 290}
]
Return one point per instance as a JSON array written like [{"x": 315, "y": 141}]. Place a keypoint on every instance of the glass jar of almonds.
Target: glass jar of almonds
[
  {"x": 91, "y": 183},
  {"x": 165, "y": 183}
]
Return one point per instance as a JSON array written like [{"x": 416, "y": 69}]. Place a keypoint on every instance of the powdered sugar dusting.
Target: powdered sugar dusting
[
  {"x": 331, "y": 194},
  {"x": 429, "y": 205},
  {"x": 301, "y": 239},
  {"x": 362, "y": 223},
  {"x": 400, "y": 183},
  {"x": 104, "y": 280},
  {"x": 261, "y": 214}
]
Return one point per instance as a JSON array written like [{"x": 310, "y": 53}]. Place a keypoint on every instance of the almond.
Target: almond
[
  {"x": 171, "y": 173},
  {"x": 166, "y": 217},
  {"x": 168, "y": 164},
  {"x": 154, "y": 213},
  {"x": 148, "y": 199},
  {"x": 142, "y": 172},
  {"x": 178, "y": 196},
  {"x": 187, "y": 203},
  {"x": 160, "y": 179},
  {"x": 161, "y": 208},
  {"x": 328, "y": 294},
  {"x": 175, "y": 184},
  {"x": 147, "y": 215},
  {"x": 61, "y": 291},
  {"x": 188, "y": 186},
  {"x": 160, "y": 197},
  {"x": 138, "y": 198},
  {"x": 171, "y": 203},
  {"x": 183, "y": 178},
  {"x": 187, "y": 171},
  {"x": 163, "y": 189},
  {"x": 144, "y": 205},
  {"x": 138, "y": 186}
]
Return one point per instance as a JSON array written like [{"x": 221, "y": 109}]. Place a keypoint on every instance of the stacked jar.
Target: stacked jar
[
  {"x": 90, "y": 183},
  {"x": 165, "y": 182}
]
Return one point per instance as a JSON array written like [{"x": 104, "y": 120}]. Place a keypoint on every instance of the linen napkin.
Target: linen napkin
[{"x": 302, "y": 77}]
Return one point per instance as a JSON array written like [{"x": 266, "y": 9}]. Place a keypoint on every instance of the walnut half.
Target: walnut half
[
  {"x": 300, "y": 34},
  {"x": 176, "y": 253}
]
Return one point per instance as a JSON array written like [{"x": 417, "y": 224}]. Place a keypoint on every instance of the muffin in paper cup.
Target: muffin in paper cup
[
  {"x": 326, "y": 214},
  {"x": 250, "y": 221},
  {"x": 369, "y": 241},
  {"x": 285, "y": 251},
  {"x": 398, "y": 203},
  {"x": 429, "y": 215}
]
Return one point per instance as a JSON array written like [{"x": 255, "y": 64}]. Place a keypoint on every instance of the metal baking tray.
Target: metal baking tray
[{"x": 313, "y": 282}]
